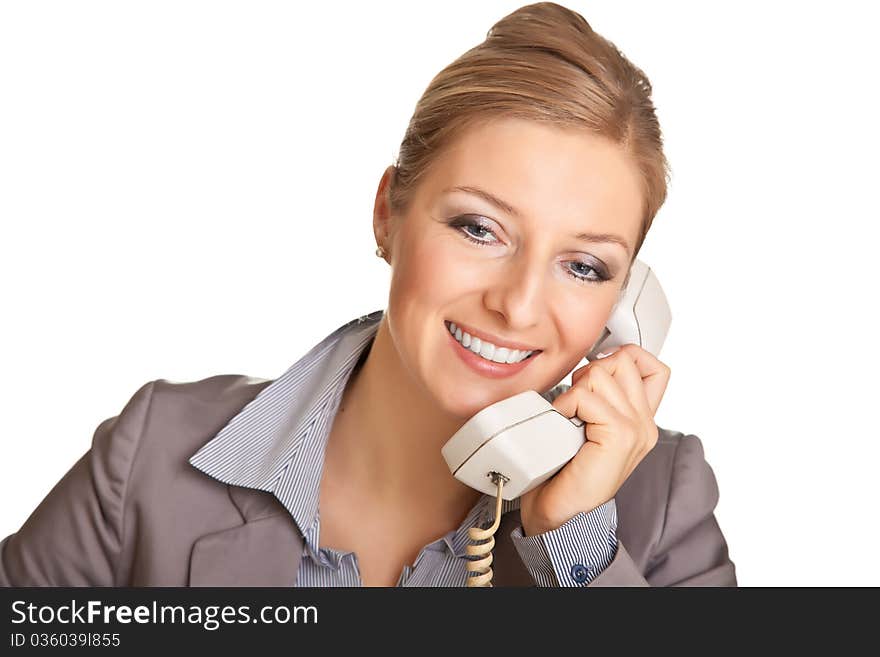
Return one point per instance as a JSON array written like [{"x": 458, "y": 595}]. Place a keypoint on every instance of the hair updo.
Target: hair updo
[{"x": 543, "y": 62}]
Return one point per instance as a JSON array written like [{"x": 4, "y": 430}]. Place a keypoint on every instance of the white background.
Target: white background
[{"x": 186, "y": 189}]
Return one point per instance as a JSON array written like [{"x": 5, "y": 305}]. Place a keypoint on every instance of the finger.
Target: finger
[
  {"x": 638, "y": 418},
  {"x": 623, "y": 369},
  {"x": 589, "y": 406},
  {"x": 654, "y": 373},
  {"x": 598, "y": 380}
]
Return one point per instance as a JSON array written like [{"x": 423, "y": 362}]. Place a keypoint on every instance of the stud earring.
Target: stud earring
[{"x": 380, "y": 252}]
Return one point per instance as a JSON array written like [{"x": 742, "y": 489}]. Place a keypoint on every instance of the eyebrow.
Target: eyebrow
[{"x": 490, "y": 198}]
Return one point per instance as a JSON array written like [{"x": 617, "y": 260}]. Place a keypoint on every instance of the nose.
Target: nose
[{"x": 516, "y": 293}]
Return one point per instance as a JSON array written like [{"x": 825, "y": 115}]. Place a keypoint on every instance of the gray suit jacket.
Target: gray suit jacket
[{"x": 134, "y": 512}]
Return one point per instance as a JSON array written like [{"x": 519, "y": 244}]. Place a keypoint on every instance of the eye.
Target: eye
[
  {"x": 598, "y": 277},
  {"x": 465, "y": 223}
]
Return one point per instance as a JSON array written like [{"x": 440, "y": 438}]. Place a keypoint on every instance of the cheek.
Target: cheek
[
  {"x": 429, "y": 271},
  {"x": 583, "y": 327},
  {"x": 424, "y": 282}
]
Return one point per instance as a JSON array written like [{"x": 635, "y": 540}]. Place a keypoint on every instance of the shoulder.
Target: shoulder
[
  {"x": 197, "y": 409},
  {"x": 675, "y": 471},
  {"x": 683, "y": 544},
  {"x": 212, "y": 399},
  {"x": 221, "y": 389},
  {"x": 166, "y": 421},
  {"x": 218, "y": 389},
  {"x": 669, "y": 495},
  {"x": 681, "y": 464}
]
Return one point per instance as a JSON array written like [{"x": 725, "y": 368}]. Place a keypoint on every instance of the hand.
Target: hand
[{"x": 617, "y": 397}]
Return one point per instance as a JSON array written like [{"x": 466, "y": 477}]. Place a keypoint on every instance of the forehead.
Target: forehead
[{"x": 546, "y": 172}]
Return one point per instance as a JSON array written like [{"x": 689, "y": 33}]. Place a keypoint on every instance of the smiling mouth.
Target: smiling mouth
[{"x": 532, "y": 352}]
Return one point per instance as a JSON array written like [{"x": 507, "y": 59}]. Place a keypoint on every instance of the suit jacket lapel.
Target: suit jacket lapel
[{"x": 265, "y": 551}]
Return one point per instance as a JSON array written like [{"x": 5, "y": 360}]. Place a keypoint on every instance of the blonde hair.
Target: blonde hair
[{"x": 543, "y": 62}]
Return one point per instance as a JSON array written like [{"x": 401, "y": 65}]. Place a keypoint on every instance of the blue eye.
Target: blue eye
[
  {"x": 599, "y": 277},
  {"x": 463, "y": 223}
]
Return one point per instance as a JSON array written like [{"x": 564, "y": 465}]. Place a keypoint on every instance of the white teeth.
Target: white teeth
[
  {"x": 487, "y": 350},
  {"x": 501, "y": 355}
]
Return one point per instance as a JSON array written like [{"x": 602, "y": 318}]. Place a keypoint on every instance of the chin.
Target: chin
[{"x": 465, "y": 402}]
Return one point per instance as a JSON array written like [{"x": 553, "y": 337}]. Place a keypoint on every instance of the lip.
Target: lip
[
  {"x": 488, "y": 337},
  {"x": 484, "y": 367}
]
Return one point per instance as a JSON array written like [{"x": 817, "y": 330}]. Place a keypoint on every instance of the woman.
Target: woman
[{"x": 525, "y": 185}]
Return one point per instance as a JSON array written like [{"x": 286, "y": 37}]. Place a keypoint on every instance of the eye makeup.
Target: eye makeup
[{"x": 473, "y": 227}]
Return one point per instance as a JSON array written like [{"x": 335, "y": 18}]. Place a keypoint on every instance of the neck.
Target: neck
[{"x": 387, "y": 436}]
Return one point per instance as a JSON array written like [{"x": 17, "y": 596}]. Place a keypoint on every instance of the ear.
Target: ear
[{"x": 382, "y": 228}]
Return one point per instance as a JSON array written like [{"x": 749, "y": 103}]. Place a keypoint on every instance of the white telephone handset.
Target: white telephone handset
[{"x": 524, "y": 438}]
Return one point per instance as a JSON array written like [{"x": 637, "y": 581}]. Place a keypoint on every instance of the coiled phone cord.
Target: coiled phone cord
[{"x": 483, "y": 566}]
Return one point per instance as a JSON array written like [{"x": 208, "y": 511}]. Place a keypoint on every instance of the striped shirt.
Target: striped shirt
[{"x": 276, "y": 443}]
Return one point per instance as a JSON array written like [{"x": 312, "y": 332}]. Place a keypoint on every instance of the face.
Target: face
[{"x": 512, "y": 270}]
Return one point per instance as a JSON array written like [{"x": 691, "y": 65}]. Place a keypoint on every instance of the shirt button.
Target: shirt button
[{"x": 579, "y": 573}]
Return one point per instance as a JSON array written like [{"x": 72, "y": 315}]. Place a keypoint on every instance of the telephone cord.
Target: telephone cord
[{"x": 483, "y": 566}]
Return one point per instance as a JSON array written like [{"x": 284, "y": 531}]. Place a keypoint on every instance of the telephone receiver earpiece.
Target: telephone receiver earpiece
[{"x": 641, "y": 315}]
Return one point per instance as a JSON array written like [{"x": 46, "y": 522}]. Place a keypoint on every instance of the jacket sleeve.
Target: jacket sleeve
[
  {"x": 74, "y": 536},
  {"x": 691, "y": 550}
]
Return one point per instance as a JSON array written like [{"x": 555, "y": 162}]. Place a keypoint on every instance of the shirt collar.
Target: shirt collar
[{"x": 276, "y": 442}]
